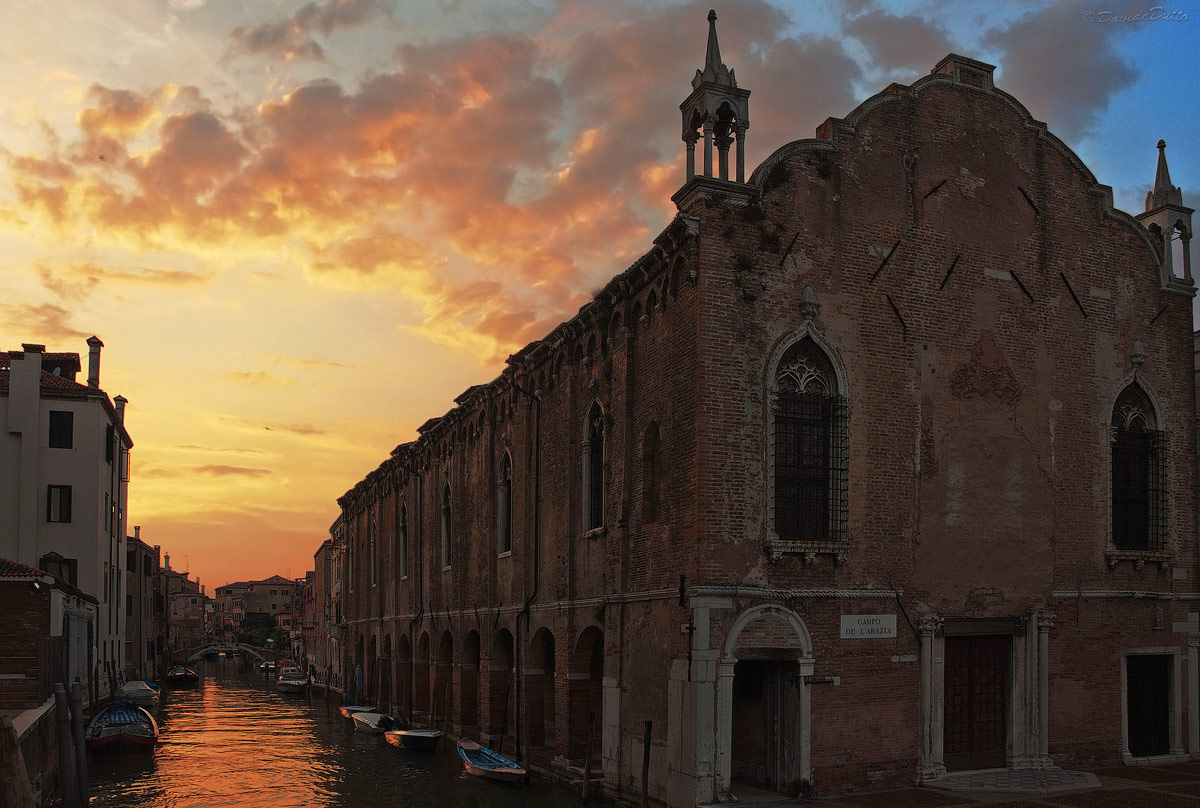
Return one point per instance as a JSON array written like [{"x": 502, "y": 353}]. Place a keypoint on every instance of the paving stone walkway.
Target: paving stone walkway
[{"x": 1166, "y": 786}]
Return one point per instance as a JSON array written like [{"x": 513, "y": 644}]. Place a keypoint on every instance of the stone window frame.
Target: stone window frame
[
  {"x": 1113, "y": 555},
  {"x": 447, "y": 524},
  {"x": 504, "y": 509},
  {"x": 595, "y": 415},
  {"x": 775, "y": 546},
  {"x": 402, "y": 534},
  {"x": 372, "y": 545}
]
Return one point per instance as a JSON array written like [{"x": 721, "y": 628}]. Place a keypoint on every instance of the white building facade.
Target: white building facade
[{"x": 64, "y": 481}]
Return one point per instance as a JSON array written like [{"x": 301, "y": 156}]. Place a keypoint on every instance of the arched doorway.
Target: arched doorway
[
  {"x": 421, "y": 680},
  {"x": 763, "y": 701},
  {"x": 469, "y": 685},
  {"x": 386, "y": 697},
  {"x": 585, "y": 692},
  {"x": 443, "y": 684},
  {"x": 500, "y": 717},
  {"x": 539, "y": 683},
  {"x": 372, "y": 672},
  {"x": 404, "y": 675}
]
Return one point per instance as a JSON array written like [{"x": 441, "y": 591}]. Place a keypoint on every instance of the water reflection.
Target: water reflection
[{"x": 236, "y": 741}]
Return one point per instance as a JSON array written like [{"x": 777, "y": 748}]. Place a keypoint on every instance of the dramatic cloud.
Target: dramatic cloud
[
  {"x": 1062, "y": 68},
  {"x": 39, "y": 321},
  {"x": 231, "y": 471},
  {"x": 900, "y": 43},
  {"x": 290, "y": 39},
  {"x": 260, "y": 378}
]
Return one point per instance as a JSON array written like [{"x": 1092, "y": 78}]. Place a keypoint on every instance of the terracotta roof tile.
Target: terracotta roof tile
[
  {"x": 14, "y": 569},
  {"x": 59, "y": 384}
]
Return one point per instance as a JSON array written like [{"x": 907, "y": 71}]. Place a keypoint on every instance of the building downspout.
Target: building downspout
[{"x": 522, "y": 740}]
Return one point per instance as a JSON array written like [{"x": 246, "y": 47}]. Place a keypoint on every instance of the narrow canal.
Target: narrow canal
[{"x": 236, "y": 741}]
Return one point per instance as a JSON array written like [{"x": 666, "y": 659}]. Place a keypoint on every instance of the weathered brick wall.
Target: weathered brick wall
[{"x": 26, "y": 629}]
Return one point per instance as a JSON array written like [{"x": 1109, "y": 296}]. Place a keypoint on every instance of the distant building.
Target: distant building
[
  {"x": 64, "y": 481},
  {"x": 145, "y": 608},
  {"x": 47, "y": 625},
  {"x": 229, "y": 609},
  {"x": 186, "y": 628}
]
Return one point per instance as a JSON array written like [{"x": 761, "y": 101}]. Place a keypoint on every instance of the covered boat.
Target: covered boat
[
  {"x": 483, "y": 762},
  {"x": 122, "y": 727},
  {"x": 374, "y": 723},
  {"x": 181, "y": 676},
  {"x": 142, "y": 692},
  {"x": 348, "y": 710},
  {"x": 292, "y": 680},
  {"x": 418, "y": 740}
]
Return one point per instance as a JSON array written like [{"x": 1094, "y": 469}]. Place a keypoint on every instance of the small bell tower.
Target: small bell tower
[
  {"x": 717, "y": 112},
  {"x": 1169, "y": 222}
]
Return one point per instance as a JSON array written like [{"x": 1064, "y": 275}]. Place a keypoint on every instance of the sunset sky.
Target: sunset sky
[{"x": 301, "y": 228}]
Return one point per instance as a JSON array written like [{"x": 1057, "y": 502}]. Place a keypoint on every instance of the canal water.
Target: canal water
[{"x": 236, "y": 741}]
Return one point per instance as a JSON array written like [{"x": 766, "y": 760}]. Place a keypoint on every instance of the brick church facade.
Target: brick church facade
[{"x": 879, "y": 465}]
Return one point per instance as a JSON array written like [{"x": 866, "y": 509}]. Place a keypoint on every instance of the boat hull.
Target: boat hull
[
  {"x": 291, "y": 687},
  {"x": 122, "y": 728},
  {"x": 483, "y": 762},
  {"x": 416, "y": 740},
  {"x": 349, "y": 710}
]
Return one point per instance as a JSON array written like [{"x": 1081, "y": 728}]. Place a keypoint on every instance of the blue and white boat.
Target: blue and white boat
[
  {"x": 483, "y": 762},
  {"x": 122, "y": 727}
]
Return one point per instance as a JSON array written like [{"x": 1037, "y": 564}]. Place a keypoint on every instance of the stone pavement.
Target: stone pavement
[{"x": 1166, "y": 786}]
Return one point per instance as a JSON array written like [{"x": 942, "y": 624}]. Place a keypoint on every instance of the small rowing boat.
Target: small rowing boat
[
  {"x": 374, "y": 723},
  {"x": 291, "y": 680},
  {"x": 348, "y": 710},
  {"x": 181, "y": 676},
  {"x": 418, "y": 740},
  {"x": 122, "y": 727},
  {"x": 483, "y": 762},
  {"x": 142, "y": 692}
]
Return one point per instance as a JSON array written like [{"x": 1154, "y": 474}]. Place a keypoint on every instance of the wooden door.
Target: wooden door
[
  {"x": 1148, "y": 706},
  {"x": 976, "y": 723}
]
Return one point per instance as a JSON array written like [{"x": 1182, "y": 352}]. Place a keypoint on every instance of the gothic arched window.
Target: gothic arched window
[
  {"x": 447, "y": 528},
  {"x": 402, "y": 552},
  {"x": 371, "y": 544},
  {"x": 1138, "y": 471},
  {"x": 593, "y": 469},
  {"x": 810, "y": 447},
  {"x": 504, "y": 505}
]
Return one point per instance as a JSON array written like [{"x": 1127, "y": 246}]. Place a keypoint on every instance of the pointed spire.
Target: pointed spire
[
  {"x": 712, "y": 57},
  {"x": 715, "y": 71},
  {"x": 1164, "y": 193}
]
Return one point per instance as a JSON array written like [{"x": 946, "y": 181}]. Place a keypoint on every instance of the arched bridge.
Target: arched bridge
[{"x": 261, "y": 654}]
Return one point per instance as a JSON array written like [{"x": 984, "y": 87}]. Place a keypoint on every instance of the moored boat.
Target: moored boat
[
  {"x": 122, "y": 727},
  {"x": 348, "y": 710},
  {"x": 144, "y": 693},
  {"x": 181, "y": 676},
  {"x": 483, "y": 762},
  {"x": 291, "y": 680},
  {"x": 418, "y": 740},
  {"x": 374, "y": 723}
]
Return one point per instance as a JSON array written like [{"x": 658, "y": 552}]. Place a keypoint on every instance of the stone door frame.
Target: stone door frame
[{"x": 725, "y": 667}]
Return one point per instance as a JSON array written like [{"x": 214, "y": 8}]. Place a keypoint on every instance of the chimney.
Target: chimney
[
  {"x": 119, "y": 402},
  {"x": 94, "y": 346},
  {"x": 137, "y": 532},
  {"x": 166, "y": 561}
]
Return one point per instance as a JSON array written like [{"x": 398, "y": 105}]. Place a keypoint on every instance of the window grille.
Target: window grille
[{"x": 811, "y": 467}]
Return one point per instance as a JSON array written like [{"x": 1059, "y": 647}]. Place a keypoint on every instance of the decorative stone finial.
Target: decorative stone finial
[
  {"x": 1137, "y": 355},
  {"x": 1164, "y": 192},
  {"x": 810, "y": 307}
]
